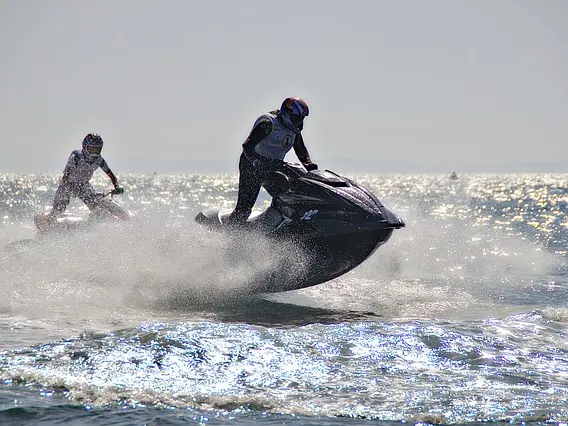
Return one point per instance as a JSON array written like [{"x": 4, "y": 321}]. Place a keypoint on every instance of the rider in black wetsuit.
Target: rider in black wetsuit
[{"x": 270, "y": 139}]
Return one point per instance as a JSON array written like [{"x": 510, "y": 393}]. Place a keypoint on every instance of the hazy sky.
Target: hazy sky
[{"x": 393, "y": 86}]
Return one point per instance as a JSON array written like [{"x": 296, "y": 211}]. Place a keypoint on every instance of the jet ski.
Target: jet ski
[
  {"x": 335, "y": 221},
  {"x": 107, "y": 210}
]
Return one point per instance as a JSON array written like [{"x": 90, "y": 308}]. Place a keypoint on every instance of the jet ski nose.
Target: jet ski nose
[{"x": 392, "y": 219}]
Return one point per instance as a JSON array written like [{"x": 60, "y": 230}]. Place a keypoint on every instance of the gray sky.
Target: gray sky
[{"x": 393, "y": 86}]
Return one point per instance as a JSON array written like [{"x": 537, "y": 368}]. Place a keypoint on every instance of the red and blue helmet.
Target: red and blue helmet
[
  {"x": 293, "y": 111},
  {"x": 92, "y": 146}
]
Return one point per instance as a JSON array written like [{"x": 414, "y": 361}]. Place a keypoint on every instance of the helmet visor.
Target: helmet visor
[
  {"x": 296, "y": 119},
  {"x": 93, "y": 149}
]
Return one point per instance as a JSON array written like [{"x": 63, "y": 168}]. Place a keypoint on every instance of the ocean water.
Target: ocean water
[{"x": 461, "y": 318}]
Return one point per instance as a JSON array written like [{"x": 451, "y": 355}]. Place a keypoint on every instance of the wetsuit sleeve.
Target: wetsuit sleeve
[
  {"x": 105, "y": 168},
  {"x": 261, "y": 130},
  {"x": 301, "y": 150}
]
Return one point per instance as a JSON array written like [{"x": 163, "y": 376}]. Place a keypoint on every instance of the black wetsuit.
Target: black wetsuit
[{"x": 251, "y": 177}]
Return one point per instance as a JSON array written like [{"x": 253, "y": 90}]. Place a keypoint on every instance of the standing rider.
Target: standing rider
[
  {"x": 270, "y": 139},
  {"x": 77, "y": 174}
]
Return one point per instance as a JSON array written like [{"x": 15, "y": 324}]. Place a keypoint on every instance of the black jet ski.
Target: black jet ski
[
  {"x": 107, "y": 210},
  {"x": 335, "y": 221}
]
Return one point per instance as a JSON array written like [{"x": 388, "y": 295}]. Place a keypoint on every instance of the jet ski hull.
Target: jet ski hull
[
  {"x": 109, "y": 211},
  {"x": 327, "y": 248},
  {"x": 328, "y": 258}
]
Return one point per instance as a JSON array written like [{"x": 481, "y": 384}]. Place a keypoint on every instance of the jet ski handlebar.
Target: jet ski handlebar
[
  {"x": 280, "y": 178},
  {"x": 115, "y": 191}
]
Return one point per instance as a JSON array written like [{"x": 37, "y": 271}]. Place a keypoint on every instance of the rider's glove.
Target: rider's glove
[
  {"x": 118, "y": 190},
  {"x": 311, "y": 166}
]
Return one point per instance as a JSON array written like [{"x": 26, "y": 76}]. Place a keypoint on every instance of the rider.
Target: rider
[
  {"x": 77, "y": 174},
  {"x": 270, "y": 139}
]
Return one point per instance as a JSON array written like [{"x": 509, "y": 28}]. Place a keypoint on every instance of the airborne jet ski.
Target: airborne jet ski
[
  {"x": 335, "y": 221},
  {"x": 107, "y": 210}
]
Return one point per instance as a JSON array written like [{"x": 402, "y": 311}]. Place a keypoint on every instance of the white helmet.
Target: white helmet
[{"x": 92, "y": 146}]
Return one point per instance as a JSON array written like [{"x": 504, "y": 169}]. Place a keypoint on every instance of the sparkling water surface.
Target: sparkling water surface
[{"x": 461, "y": 318}]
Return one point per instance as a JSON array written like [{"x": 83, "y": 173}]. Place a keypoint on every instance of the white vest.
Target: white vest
[
  {"x": 80, "y": 171},
  {"x": 278, "y": 142}
]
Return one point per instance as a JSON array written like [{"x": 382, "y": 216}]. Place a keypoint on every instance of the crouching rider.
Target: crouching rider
[{"x": 77, "y": 174}]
